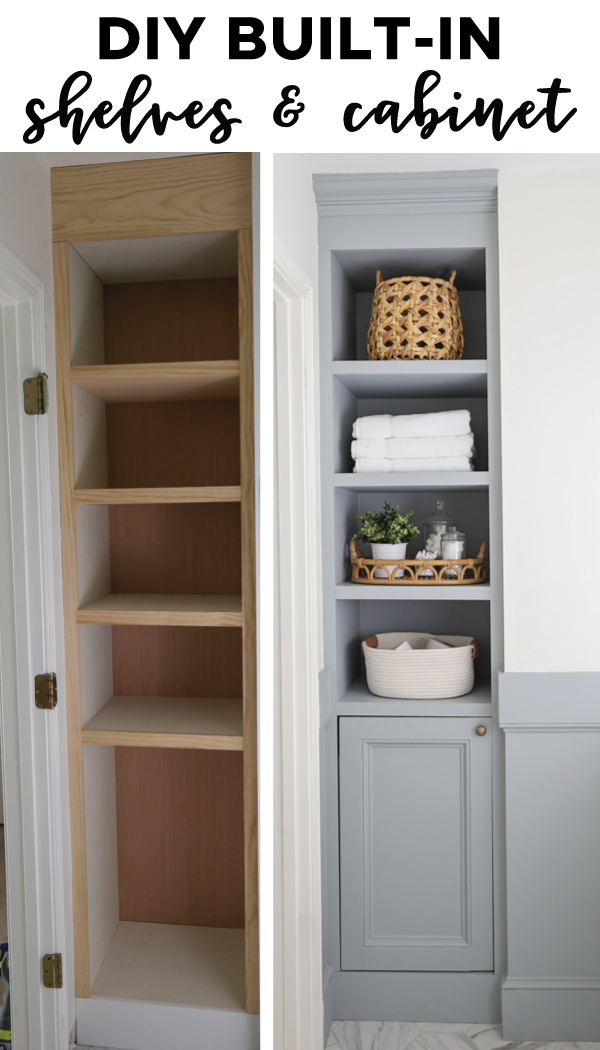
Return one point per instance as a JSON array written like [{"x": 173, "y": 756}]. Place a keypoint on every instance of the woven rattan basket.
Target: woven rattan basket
[
  {"x": 419, "y": 673},
  {"x": 415, "y": 317}
]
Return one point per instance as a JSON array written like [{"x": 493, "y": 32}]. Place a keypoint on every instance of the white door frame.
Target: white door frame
[
  {"x": 297, "y": 691},
  {"x": 30, "y": 737}
]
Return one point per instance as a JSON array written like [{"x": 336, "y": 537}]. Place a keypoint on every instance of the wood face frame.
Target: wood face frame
[
  {"x": 165, "y": 197},
  {"x": 200, "y": 193}
]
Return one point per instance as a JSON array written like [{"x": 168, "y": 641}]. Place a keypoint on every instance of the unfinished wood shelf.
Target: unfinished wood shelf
[
  {"x": 166, "y": 610},
  {"x": 167, "y": 721},
  {"x": 182, "y": 381},
  {"x": 199, "y": 966},
  {"x": 197, "y": 494}
]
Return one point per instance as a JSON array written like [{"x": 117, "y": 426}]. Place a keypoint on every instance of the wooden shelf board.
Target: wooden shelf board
[
  {"x": 438, "y": 481},
  {"x": 187, "y": 965},
  {"x": 168, "y": 610},
  {"x": 184, "y": 381},
  {"x": 476, "y": 592},
  {"x": 166, "y": 721},
  {"x": 359, "y": 701},
  {"x": 413, "y": 378},
  {"x": 199, "y": 494}
]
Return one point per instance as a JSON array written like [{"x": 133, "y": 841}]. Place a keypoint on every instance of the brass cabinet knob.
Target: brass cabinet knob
[{"x": 481, "y": 730}]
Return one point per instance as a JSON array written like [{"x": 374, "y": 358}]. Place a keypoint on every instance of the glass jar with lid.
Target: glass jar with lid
[
  {"x": 453, "y": 546},
  {"x": 434, "y": 528}
]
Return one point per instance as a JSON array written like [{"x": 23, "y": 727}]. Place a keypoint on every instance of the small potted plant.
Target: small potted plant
[{"x": 388, "y": 531}]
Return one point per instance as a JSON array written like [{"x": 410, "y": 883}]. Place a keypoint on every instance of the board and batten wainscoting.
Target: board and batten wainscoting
[{"x": 549, "y": 693}]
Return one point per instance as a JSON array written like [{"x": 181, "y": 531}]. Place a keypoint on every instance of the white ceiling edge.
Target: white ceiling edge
[
  {"x": 78, "y": 157},
  {"x": 368, "y": 163}
]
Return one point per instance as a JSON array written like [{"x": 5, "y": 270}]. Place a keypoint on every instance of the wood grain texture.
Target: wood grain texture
[
  {"x": 162, "y": 381},
  {"x": 166, "y": 610},
  {"x": 175, "y": 548},
  {"x": 201, "y": 494},
  {"x": 177, "y": 661},
  {"x": 71, "y": 630},
  {"x": 249, "y": 616},
  {"x": 152, "y": 198},
  {"x": 164, "y": 721},
  {"x": 181, "y": 444},
  {"x": 180, "y": 836},
  {"x": 171, "y": 321}
]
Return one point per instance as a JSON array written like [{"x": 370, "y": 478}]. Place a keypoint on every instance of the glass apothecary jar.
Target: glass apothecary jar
[
  {"x": 453, "y": 546},
  {"x": 434, "y": 527}
]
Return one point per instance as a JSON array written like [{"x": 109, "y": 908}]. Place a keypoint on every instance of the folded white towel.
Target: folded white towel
[
  {"x": 423, "y": 424},
  {"x": 373, "y": 427},
  {"x": 370, "y": 465},
  {"x": 412, "y": 448},
  {"x": 403, "y": 645}
]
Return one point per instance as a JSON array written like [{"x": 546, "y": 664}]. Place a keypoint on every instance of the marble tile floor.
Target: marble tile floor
[{"x": 397, "y": 1035}]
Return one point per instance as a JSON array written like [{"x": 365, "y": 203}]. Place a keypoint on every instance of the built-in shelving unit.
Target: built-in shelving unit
[
  {"x": 401, "y": 225},
  {"x": 154, "y": 340}
]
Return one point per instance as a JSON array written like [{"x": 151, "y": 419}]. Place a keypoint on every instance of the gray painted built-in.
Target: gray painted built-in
[{"x": 441, "y": 952}]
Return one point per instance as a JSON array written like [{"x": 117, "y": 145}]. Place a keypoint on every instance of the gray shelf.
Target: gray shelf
[
  {"x": 413, "y": 378},
  {"x": 359, "y": 701},
  {"x": 438, "y": 481},
  {"x": 477, "y": 592}
]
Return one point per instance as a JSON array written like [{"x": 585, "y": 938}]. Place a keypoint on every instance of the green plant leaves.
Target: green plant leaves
[{"x": 386, "y": 526}]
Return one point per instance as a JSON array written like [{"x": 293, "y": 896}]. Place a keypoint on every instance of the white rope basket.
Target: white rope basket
[{"x": 419, "y": 673}]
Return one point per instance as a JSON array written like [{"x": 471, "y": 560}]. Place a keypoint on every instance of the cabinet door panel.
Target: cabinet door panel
[{"x": 416, "y": 855}]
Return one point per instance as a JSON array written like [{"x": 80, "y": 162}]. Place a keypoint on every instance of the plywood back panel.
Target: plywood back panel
[
  {"x": 182, "y": 443},
  {"x": 193, "y": 320},
  {"x": 180, "y": 837},
  {"x": 177, "y": 661},
  {"x": 175, "y": 548}
]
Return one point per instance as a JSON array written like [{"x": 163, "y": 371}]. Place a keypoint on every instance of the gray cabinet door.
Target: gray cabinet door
[{"x": 416, "y": 844}]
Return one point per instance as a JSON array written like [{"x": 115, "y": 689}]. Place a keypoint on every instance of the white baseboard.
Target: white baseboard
[
  {"x": 551, "y": 1009},
  {"x": 119, "y": 1024}
]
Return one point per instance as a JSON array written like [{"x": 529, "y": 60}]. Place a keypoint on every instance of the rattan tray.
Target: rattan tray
[{"x": 469, "y": 570}]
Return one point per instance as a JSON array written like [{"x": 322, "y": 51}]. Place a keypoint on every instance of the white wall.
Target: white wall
[
  {"x": 25, "y": 228},
  {"x": 549, "y": 229},
  {"x": 295, "y": 212}
]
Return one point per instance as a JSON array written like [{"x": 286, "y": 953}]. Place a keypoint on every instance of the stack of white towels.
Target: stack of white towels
[{"x": 426, "y": 441}]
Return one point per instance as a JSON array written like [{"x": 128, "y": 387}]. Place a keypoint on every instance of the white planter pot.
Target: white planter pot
[{"x": 388, "y": 550}]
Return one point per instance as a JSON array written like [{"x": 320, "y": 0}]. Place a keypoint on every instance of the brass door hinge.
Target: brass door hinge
[
  {"x": 52, "y": 970},
  {"x": 45, "y": 691},
  {"x": 35, "y": 395}
]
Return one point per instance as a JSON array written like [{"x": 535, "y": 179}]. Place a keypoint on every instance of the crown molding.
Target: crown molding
[{"x": 402, "y": 193}]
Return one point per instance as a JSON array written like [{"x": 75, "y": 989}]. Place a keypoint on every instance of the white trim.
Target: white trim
[
  {"x": 30, "y": 738},
  {"x": 118, "y": 1023},
  {"x": 298, "y": 686}
]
